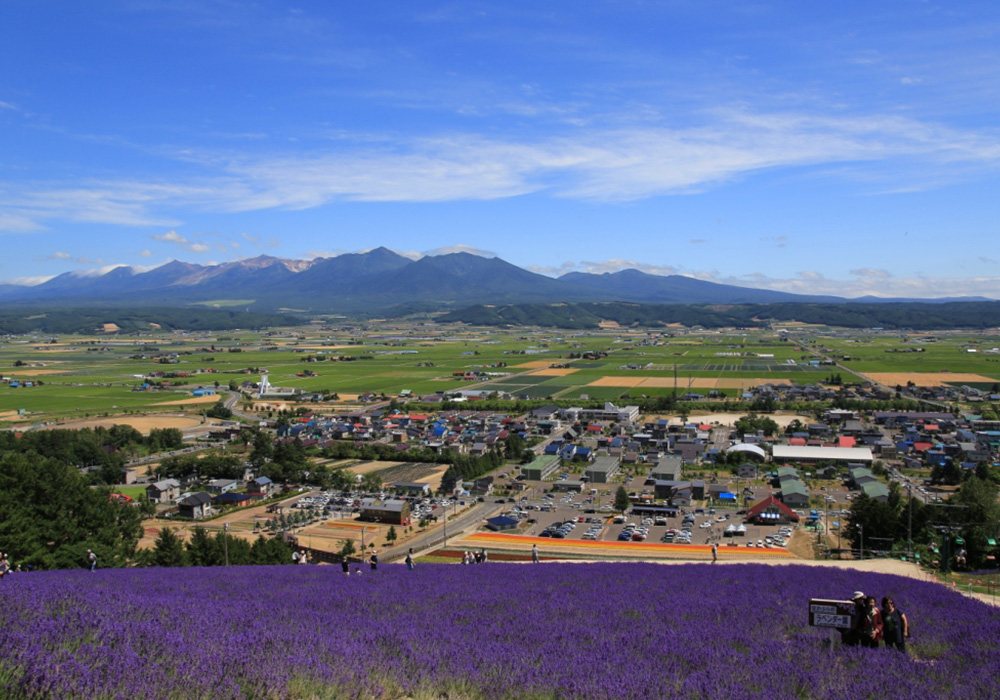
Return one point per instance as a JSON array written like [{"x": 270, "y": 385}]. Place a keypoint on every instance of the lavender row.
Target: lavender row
[{"x": 599, "y": 631}]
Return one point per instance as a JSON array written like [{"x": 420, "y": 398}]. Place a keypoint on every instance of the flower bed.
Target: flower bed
[{"x": 607, "y": 631}]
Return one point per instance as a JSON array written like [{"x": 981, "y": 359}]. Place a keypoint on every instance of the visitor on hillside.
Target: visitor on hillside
[
  {"x": 715, "y": 552},
  {"x": 374, "y": 561},
  {"x": 852, "y": 636},
  {"x": 895, "y": 626},
  {"x": 295, "y": 557},
  {"x": 483, "y": 556},
  {"x": 534, "y": 553},
  {"x": 409, "y": 560},
  {"x": 870, "y": 625},
  {"x": 92, "y": 560},
  {"x": 345, "y": 566},
  {"x": 4, "y": 565}
]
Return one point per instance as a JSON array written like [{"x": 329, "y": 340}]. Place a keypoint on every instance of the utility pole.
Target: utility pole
[
  {"x": 225, "y": 542},
  {"x": 861, "y": 533},
  {"x": 909, "y": 524}
]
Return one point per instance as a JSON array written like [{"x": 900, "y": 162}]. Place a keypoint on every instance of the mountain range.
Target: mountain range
[{"x": 380, "y": 280}]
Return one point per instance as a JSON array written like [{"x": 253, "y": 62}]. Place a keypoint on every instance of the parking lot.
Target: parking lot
[{"x": 579, "y": 516}]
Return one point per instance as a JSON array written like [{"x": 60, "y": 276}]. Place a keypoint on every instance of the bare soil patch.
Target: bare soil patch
[
  {"x": 928, "y": 379},
  {"x": 626, "y": 382},
  {"x": 537, "y": 364},
  {"x": 141, "y": 423},
  {"x": 554, "y": 372}
]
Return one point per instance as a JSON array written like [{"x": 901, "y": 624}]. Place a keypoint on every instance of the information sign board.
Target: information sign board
[{"x": 838, "y": 614}]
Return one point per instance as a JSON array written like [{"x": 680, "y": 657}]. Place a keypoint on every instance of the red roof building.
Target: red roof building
[{"x": 770, "y": 511}]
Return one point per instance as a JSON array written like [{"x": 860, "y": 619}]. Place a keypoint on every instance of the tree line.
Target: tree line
[{"x": 585, "y": 316}]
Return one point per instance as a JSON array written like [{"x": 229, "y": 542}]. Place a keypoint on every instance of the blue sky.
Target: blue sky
[{"x": 848, "y": 148}]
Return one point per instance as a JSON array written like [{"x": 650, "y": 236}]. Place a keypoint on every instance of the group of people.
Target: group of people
[
  {"x": 874, "y": 626},
  {"x": 479, "y": 557}
]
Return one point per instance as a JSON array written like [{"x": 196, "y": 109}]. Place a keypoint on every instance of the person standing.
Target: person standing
[
  {"x": 715, "y": 552},
  {"x": 409, "y": 560},
  {"x": 852, "y": 636},
  {"x": 534, "y": 553},
  {"x": 895, "y": 626},
  {"x": 374, "y": 561},
  {"x": 870, "y": 627},
  {"x": 483, "y": 556},
  {"x": 345, "y": 566},
  {"x": 4, "y": 565},
  {"x": 92, "y": 560}
]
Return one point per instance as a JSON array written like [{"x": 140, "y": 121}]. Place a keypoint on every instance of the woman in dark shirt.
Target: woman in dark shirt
[{"x": 895, "y": 626}]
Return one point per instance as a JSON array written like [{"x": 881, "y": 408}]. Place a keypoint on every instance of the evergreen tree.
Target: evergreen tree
[
  {"x": 622, "y": 502},
  {"x": 51, "y": 516},
  {"x": 201, "y": 549},
  {"x": 169, "y": 550}
]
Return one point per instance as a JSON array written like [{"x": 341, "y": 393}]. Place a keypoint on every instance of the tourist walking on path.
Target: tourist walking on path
[
  {"x": 409, "y": 560},
  {"x": 534, "y": 553},
  {"x": 895, "y": 626},
  {"x": 92, "y": 560}
]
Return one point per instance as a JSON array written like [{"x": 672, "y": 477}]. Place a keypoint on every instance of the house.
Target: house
[
  {"x": 261, "y": 487},
  {"x": 195, "y": 506},
  {"x": 219, "y": 486},
  {"x": 163, "y": 491},
  {"x": 233, "y": 499}
]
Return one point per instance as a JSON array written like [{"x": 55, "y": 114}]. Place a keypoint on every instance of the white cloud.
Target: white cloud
[
  {"x": 461, "y": 248},
  {"x": 589, "y": 164},
  {"x": 145, "y": 254},
  {"x": 175, "y": 238},
  {"x": 871, "y": 273},
  {"x": 171, "y": 237}
]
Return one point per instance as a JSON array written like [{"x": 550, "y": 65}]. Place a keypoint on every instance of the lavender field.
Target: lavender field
[{"x": 599, "y": 631}]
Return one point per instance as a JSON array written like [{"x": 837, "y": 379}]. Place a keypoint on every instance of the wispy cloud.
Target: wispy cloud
[
  {"x": 175, "y": 238},
  {"x": 66, "y": 257},
  {"x": 609, "y": 165}
]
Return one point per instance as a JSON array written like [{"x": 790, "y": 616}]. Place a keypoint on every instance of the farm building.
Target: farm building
[{"x": 391, "y": 511}]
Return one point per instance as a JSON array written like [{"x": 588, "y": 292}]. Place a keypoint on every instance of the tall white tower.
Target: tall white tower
[{"x": 264, "y": 386}]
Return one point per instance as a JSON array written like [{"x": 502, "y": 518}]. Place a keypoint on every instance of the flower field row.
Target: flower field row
[{"x": 607, "y": 631}]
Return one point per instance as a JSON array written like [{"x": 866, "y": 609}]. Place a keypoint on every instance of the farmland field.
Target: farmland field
[{"x": 85, "y": 376}]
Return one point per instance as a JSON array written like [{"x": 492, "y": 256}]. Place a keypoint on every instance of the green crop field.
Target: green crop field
[{"x": 96, "y": 375}]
